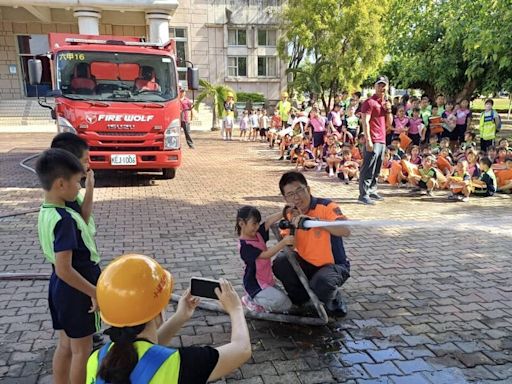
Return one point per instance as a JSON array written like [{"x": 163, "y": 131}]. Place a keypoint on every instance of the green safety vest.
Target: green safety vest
[
  {"x": 167, "y": 369},
  {"x": 284, "y": 109},
  {"x": 48, "y": 219},
  {"x": 487, "y": 126}
]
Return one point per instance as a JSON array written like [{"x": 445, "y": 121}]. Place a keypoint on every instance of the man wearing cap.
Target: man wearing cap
[
  {"x": 284, "y": 107},
  {"x": 376, "y": 116},
  {"x": 186, "y": 116}
]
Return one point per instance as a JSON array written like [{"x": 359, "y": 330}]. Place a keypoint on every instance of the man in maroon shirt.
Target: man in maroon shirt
[{"x": 376, "y": 115}]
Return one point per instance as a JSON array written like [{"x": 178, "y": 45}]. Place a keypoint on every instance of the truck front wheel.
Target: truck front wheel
[{"x": 169, "y": 173}]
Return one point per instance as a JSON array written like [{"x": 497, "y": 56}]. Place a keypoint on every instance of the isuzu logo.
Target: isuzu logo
[
  {"x": 125, "y": 118},
  {"x": 120, "y": 126}
]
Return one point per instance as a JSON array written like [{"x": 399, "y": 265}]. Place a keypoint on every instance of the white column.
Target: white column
[
  {"x": 88, "y": 21},
  {"x": 158, "y": 22}
]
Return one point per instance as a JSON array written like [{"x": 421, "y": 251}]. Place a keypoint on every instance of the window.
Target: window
[
  {"x": 267, "y": 37},
  {"x": 237, "y": 66},
  {"x": 31, "y": 47},
  {"x": 180, "y": 36},
  {"x": 237, "y": 37},
  {"x": 267, "y": 66}
]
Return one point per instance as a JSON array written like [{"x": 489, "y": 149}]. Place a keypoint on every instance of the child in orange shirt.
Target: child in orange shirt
[{"x": 505, "y": 177}]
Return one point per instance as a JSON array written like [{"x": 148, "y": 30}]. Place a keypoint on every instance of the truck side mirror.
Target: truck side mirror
[
  {"x": 35, "y": 71},
  {"x": 193, "y": 78}
]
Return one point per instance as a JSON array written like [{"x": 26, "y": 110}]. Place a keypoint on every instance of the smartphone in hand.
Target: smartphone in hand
[{"x": 202, "y": 287}]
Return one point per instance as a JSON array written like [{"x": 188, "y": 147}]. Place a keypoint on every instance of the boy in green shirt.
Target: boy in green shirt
[
  {"x": 486, "y": 184},
  {"x": 68, "y": 244}
]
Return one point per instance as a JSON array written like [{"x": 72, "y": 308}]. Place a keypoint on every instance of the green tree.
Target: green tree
[
  {"x": 456, "y": 47},
  {"x": 332, "y": 44},
  {"x": 217, "y": 94}
]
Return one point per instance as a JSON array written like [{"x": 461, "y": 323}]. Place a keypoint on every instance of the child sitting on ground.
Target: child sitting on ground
[
  {"x": 396, "y": 143},
  {"x": 284, "y": 146},
  {"x": 415, "y": 155},
  {"x": 385, "y": 168},
  {"x": 444, "y": 162},
  {"x": 458, "y": 182},
  {"x": 306, "y": 158},
  {"x": 258, "y": 280},
  {"x": 469, "y": 141},
  {"x": 499, "y": 161},
  {"x": 427, "y": 179},
  {"x": 473, "y": 166},
  {"x": 296, "y": 148},
  {"x": 348, "y": 168},
  {"x": 393, "y": 153},
  {"x": 332, "y": 157},
  {"x": 485, "y": 185},
  {"x": 492, "y": 153},
  {"x": 504, "y": 177}
]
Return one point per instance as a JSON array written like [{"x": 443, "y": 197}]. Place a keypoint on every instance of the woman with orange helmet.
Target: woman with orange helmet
[{"x": 133, "y": 292}]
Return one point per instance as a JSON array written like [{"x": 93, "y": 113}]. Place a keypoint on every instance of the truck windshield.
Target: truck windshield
[{"x": 116, "y": 76}]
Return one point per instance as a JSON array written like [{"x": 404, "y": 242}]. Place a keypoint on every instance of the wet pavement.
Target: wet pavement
[{"x": 427, "y": 304}]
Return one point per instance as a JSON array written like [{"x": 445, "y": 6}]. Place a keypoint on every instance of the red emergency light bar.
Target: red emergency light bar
[{"x": 119, "y": 42}]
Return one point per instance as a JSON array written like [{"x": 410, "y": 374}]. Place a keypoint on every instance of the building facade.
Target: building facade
[{"x": 231, "y": 41}]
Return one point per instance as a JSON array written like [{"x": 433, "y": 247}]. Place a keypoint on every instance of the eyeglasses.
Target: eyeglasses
[{"x": 291, "y": 196}]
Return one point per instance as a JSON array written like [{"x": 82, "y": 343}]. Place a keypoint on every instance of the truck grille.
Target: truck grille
[
  {"x": 123, "y": 148},
  {"x": 122, "y": 133}
]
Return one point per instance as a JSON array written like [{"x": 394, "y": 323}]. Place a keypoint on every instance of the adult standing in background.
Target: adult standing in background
[
  {"x": 284, "y": 107},
  {"x": 376, "y": 116},
  {"x": 186, "y": 116}
]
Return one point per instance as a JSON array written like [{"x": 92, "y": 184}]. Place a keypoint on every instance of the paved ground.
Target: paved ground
[{"x": 426, "y": 305}]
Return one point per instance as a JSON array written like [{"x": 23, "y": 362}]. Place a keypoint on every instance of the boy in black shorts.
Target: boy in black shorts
[
  {"x": 427, "y": 178},
  {"x": 68, "y": 243},
  {"x": 485, "y": 185},
  {"x": 83, "y": 204}
]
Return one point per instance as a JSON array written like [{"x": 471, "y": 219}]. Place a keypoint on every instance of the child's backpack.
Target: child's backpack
[{"x": 498, "y": 124}]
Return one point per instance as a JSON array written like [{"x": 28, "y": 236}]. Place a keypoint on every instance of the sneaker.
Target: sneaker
[
  {"x": 251, "y": 305},
  {"x": 338, "y": 308},
  {"x": 376, "y": 196},
  {"x": 366, "y": 201},
  {"x": 281, "y": 158},
  {"x": 465, "y": 199},
  {"x": 346, "y": 181},
  {"x": 319, "y": 167},
  {"x": 331, "y": 174},
  {"x": 429, "y": 193},
  {"x": 191, "y": 146},
  {"x": 451, "y": 196},
  {"x": 415, "y": 190}
]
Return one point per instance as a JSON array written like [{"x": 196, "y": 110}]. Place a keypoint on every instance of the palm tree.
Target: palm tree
[{"x": 218, "y": 94}]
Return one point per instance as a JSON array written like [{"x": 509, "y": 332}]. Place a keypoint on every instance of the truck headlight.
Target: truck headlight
[
  {"x": 172, "y": 135},
  {"x": 63, "y": 125}
]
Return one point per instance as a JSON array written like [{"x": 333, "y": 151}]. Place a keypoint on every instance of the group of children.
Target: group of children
[
  {"x": 429, "y": 147},
  {"x": 462, "y": 170}
]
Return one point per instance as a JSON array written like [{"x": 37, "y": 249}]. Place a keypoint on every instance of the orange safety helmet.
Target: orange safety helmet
[{"x": 133, "y": 290}]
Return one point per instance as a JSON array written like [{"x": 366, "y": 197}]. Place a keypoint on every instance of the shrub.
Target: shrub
[{"x": 250, "y": 96}]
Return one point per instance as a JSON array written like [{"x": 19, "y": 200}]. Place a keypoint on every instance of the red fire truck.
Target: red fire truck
[{"x": 121, "y": 95}]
